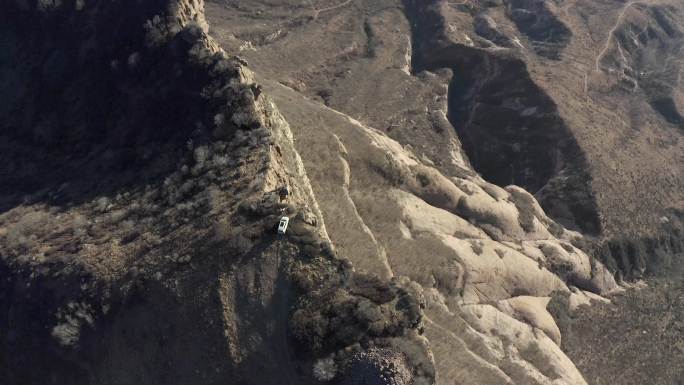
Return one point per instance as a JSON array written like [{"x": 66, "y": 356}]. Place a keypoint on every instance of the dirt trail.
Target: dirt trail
[
  {"x": 318, "y": 11},
  {"x": 612, "y": 32}
]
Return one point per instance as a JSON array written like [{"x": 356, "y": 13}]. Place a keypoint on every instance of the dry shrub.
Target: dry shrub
[{"x": 22, "y": 235}]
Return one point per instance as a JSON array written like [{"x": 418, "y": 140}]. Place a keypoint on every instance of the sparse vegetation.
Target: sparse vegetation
[
  {"x": 559, "y": 308},
  {"x": 325, "y": 369},
  {"x": 525, "y": 205},
  {"x": 477, "y": 247},
  {"x": 23, "y": 235},
  {"x": 330, "y": 318}
]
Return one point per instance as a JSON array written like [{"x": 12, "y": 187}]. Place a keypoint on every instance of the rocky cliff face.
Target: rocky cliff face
[
  {"x": 145, "y": 167},
  {"x": 140, "y": 196}
]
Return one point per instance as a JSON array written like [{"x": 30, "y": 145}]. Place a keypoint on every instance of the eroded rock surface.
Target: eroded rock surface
[
  {"x": 147, "y": 254},
  {"x": 347, "y": 75}
]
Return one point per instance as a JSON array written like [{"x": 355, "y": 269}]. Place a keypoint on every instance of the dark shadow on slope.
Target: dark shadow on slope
[
  {"x": 512, "y": 134},
  {"x": 510, "y": 129},
  {"x": 668, "y": 109},
  {"x": 548, "y": 35},
  {"x": 89, "y": 110},
  {"x": 140, "y": 333},
  {"x": 262, "y": 299},
  {"x": 648, "y": 256}
]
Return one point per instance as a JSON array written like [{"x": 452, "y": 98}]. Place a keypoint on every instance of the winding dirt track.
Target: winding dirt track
[
  {"x": 606, "y": 46},
  {"x": 318, "y": 11}
]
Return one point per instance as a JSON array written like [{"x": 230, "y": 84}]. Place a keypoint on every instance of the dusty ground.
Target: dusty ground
[{"x": 638, "y": 339}]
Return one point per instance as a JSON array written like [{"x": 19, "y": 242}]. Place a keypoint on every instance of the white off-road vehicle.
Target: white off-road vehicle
[{"x": 282, "y": 225}]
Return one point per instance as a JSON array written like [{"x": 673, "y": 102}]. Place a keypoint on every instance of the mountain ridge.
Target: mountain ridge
[{"x": 139, "y": 241}]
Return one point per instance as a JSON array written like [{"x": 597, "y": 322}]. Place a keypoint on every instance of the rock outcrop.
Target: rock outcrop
[{"x": 137, "y": 235}]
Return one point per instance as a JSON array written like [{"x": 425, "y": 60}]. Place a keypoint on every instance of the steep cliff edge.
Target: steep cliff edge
[{"x": 143, "y": 174}]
